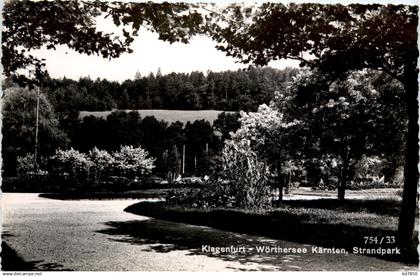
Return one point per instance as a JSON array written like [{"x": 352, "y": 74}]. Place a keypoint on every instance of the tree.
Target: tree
[
  {"x": 171, "y": 164},
  {"x": 272, "y": 137},
  {"x": 73, "y": 163},
  {"x": 29, "y": 25},
  {"x": 338, "y": 39},
  {"x": 345, "y": 120},
  {"x": 240, "y": 179},
  {"x": 19, "y": 118},
  {"x": 101, "y": 162},
  {"x": 227, "y": 123},
  {"x": 153, "y": 131},
  {"x": 199, "y": 140},
  {"x": 133, "y": 161}
]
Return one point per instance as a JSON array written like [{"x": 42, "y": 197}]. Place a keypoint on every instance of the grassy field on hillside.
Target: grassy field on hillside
[{"x": 169, "y": 116}]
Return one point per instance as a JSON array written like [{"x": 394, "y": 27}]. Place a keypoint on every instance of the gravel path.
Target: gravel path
[{"x": 97, "y": 235}]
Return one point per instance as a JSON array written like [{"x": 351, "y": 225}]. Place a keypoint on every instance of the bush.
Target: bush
[{"x": 239, "y": 180}]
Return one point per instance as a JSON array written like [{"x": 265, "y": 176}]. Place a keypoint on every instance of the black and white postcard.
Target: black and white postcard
[{"x": 199, "y": 136}]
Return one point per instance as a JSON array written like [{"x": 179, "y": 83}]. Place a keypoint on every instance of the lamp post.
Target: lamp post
[{"x": 36, "y": 129}]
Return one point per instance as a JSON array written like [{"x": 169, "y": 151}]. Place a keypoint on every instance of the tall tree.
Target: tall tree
[
  {"x": 336, "y": 39},
  {"x": 227, "y": 123},
  {"x": 347, "y": 119},
  {"x": 273, "y": 138},
  {"x": 171, "y": 164},
  {"x": 19, "y": 112}
]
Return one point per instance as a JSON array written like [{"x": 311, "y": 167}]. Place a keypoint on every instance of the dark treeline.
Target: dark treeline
[
  {"x": 201, "y": 140},
  {"x": 228, "y": 90},
  {"x": 66, "y": 130}
]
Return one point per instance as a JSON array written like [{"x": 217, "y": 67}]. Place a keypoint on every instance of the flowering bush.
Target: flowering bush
[
  {"x": 26, "y": 165},
  {"x": 73, "y": 162},
  {"x": 133, "y": 161},
  {"x": 101, "y": 161},
  {"x": 128, "y": 161}
]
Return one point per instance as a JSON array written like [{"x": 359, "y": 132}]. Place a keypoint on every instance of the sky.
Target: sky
[{"x": 149, "y": 55}]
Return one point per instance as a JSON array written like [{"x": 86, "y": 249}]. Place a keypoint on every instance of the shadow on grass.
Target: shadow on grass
[
  {"x": 281, "y": 225},
  {"x": 164, "y": 236},
  {"x": 11, "y": 261}
]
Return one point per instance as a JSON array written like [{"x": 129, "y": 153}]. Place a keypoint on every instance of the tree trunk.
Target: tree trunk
[
  {"x": 279, "y": 181},
  {"x": 287, "y": 184},
  {"x": 280, "y": 192},
  {"x": 342, "y": 180},
  {"x": 411, "y": 173}
]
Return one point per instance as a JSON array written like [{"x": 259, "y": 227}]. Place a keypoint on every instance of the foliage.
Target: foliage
[
  {"x": 227, "y": 123},
  {"x": 344, "y": 120},
  {"x": 242, "y": 180},
  {"x": 122, "y": 128},
  {"x": 228, "y": 90},
  {"x": 133, "y": 161},
  {"x": 26, "y": 166},
  {"x": 101, "y": 162},
  {"x": 337, "y": 40},
  {"x": 73, "y": 162},
  {"x": 172, "y": 164},
  {"x": 334, "y": 38},
  {"x": 128, "y": 161},
  {"x": 274, "y": 139},
  {"x": 369, "y": 167},
  {"x": 239, "y": 179},
  {"x": 19, "y": 118},
  {"x": 31, "y": 25}
]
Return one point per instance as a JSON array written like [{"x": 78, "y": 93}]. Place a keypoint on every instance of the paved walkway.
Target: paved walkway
[{"x": 97, "y": 235}]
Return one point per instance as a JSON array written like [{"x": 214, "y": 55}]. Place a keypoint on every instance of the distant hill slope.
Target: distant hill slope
[{"x": 169, "y": 116}]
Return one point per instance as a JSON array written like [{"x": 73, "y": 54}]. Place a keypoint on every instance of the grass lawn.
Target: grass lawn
[
  {"x": 169, "y": 116},
  {"x": 324, "y": 222}
]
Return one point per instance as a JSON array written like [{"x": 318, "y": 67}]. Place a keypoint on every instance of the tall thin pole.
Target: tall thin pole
[
  {"x": 183, "y": 159},
  {"x": 36, "y": 129}
]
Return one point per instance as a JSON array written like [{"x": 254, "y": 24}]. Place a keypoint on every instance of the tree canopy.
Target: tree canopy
[
  {"x": 336, "y": 40},
  {"x": 29, "y": 25},
  {"x": 19, "y": 112},
  {"x": 377, "y": 36}
]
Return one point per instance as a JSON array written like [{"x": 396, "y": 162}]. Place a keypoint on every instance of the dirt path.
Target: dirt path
[{"x": 96, "y": 235}]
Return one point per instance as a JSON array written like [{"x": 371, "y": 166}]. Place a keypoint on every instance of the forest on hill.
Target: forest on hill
[{"x": 228, "y": 90}]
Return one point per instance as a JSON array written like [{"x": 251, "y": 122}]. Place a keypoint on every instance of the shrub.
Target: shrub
[
  {"x": 239, "y": 180},
  {"x": 171, "y": 164},
  {"x": 26, "y": 167},
  {"x": 132, "y": 161},
  {"x": 101, "y": 162},
  {"x": 73, "y": 162}
]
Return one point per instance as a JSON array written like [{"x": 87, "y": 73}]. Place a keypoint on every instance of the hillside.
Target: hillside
[{"x": 169, "y": 116}]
